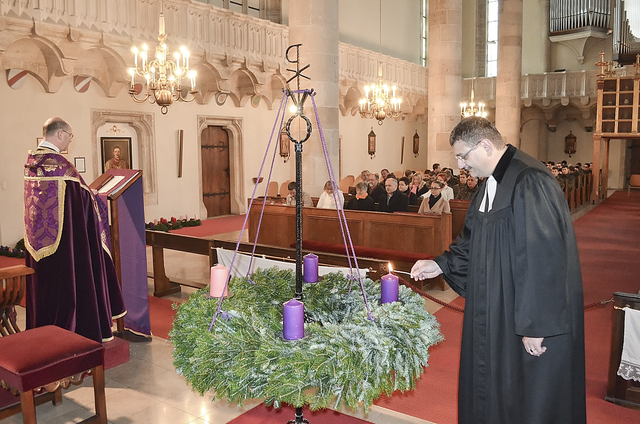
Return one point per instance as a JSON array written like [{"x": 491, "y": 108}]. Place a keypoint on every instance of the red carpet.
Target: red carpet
[
  {"x": 263, "y": 415},
  {"x": 213, "y": 226},
  {"x": 161, "y": 314}
]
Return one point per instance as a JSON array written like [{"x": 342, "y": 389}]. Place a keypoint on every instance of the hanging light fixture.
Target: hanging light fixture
[
  {"x": 472, "y": 109},
  {"x": 163, "y": 76},
  {"x": 376, "y": 102}
]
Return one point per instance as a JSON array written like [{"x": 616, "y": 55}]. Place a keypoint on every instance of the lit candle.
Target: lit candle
[
  {"x": 293, "y": 320},
  {"x": 310, "y": 268},
  {"x": 132, "y": 72},
  {"x": 218, "y": 281},
  {"x": 389, "y": 288}
]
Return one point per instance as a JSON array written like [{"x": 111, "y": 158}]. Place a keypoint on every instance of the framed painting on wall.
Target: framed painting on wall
[{"x": 116, "y": 153}]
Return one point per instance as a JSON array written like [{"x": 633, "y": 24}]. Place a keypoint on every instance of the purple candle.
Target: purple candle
[
  {"x": 310, "y": 268},
  {"x": 389, "y": 288},
  {"x": 293, "y": 319}
]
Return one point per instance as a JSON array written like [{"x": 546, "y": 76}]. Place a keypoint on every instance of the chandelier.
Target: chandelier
[
  {"x": 376, "y": 102},
  {"x": 163, "y": 76},
  {"x": 472, "y": 109}
]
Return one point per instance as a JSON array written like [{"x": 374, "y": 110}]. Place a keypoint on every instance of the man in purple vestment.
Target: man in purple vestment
[{"x": 75, "y": 285}]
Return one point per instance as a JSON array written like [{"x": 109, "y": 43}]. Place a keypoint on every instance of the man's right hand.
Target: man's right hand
[{"x": 425, "y": 269}]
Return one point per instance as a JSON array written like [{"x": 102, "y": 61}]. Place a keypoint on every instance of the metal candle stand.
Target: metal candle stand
[{"x": 298, "y": 98}]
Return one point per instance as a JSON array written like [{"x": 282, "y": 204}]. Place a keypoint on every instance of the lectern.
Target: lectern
[{"x": 124, "y": 191}]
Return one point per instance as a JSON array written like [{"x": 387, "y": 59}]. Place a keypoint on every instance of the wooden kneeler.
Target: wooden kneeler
[{"x": 48, "y": 357}]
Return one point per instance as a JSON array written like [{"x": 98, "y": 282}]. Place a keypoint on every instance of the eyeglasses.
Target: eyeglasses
[
  {"x": 70, "y": 134},
  {"x": 466, "y": 155},
  {"x": 436, "y": 188}
]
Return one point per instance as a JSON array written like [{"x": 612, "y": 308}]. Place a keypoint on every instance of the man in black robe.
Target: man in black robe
[{"x": 516, "y": 263}]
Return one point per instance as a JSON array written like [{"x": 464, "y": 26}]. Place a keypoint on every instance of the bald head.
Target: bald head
[{"x": 58, "y": 132}]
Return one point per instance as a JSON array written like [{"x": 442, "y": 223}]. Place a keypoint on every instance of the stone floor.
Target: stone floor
[{"x": 148, "y": 390}]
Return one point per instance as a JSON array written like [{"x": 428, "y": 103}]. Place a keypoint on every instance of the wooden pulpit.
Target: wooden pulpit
[{"x": 123, "y": 189}]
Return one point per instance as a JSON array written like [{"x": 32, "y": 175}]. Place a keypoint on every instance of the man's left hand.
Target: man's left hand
[{"x": 533, "y": 345}]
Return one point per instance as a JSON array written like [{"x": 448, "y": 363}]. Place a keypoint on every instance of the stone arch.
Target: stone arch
[
  {"x": 236, "y": 165},
  {"x": 208, "y": 79},
  {"x": 39, "y": 57},
  {"x": 242, "y": 87},
  {"x": 105, "y": 66},
  {"x": 350, "y": 101},
  {"x": 144, "y": 126}
]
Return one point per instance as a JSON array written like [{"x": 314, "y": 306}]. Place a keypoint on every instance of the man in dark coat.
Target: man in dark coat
[
  {"x": 516, "y": 263},
  {"x": 376, "y": 190},
  {"x": 393, "y": 200}
]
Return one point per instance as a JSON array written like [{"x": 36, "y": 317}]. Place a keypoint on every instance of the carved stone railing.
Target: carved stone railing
[
  {"x": 564, "y": 86},
  {"x": 220, "y": 37}
]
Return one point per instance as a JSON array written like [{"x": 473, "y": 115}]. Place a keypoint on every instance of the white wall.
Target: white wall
[{"x": 176, "y": 196}]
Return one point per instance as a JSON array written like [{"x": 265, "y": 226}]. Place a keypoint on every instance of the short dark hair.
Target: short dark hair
[
  {"x": 474, "y": 129},
  {"x": 291, "y": 185},
  {"x": 438, "y": 183},
  {"x": 53, "y": 125},
  {"x": 362, "y": 186},
  {"x": 405, "y": 180}
]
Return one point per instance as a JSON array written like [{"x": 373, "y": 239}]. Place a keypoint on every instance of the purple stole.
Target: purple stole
[{"x": 46, "y": 174}]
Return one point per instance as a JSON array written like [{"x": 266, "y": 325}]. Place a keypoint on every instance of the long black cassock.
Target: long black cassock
[{"x": 518, "y": 268}]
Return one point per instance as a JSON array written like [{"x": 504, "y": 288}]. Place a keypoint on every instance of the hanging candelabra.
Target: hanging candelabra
[
  {"x": 471, "y": 108},
  {"x": 163, "y": 77},
  {"x": 377, "y": 103}
]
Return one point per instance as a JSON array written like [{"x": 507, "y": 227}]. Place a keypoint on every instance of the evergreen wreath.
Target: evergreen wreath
[{"x": 344, "y": 357}]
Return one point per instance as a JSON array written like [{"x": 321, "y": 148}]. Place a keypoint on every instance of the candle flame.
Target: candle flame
[{"x": 390, "y": 269}]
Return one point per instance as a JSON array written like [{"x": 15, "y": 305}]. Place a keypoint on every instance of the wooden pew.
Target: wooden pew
[
  {"x": 620, "y": 391},
  {"x": 163, "y": 286},
  {"x": 424, "y": 234},
  {"x": 459, "y": 210},
  {"x": 428, "y": 234}
]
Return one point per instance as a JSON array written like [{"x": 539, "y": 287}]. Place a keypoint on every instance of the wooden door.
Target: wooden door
[
  {"x": 634, "y": 163},
  {"x": 216, "y": 181}
]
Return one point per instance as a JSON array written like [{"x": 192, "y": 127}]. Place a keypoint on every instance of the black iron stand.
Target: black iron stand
[
  {"x": 299, "y": 418},
  {"x": 298, "y": 100}
]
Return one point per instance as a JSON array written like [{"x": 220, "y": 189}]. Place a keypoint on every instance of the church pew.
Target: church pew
[
  {"x": 163, "y": 286},
  {"x": 428, "y": 234},
  {"x": 458, "y": 214},
  {"x": 424, "y": 234}
]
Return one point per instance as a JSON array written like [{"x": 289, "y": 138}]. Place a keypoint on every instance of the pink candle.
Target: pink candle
[
  {"x": 155, "y": 222},
  {"x": 218, "y": 280}
]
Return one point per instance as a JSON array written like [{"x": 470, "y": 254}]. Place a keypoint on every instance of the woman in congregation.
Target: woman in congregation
[
  {"x": 434, "y": 203},
  {"x": 418, "y": 185},
  {"x": 327, "y": 200},
  {"x": 362, "y": 201},
  {"x": 404, "y": 187}
]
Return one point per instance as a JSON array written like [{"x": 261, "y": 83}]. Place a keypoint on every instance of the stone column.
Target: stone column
[
  {"x": 445, "y": 78},
  {"x": 314, "y": 24},
  {"x": 508, "y": 99}
]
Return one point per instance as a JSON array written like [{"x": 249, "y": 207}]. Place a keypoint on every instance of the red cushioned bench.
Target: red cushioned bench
[{"x": 46, "y": 357}]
